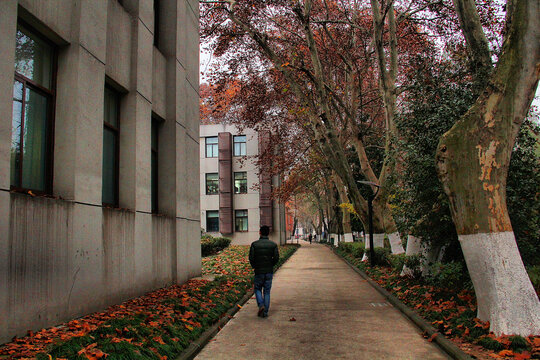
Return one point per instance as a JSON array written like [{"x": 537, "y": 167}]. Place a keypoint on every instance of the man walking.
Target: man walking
[{"x": 263, "y": 255}]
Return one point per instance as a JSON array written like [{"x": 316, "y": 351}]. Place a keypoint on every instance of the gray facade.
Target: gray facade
[{"x": 63, "y": 253}]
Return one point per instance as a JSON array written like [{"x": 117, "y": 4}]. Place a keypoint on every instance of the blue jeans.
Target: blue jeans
[{"x": 263, "y": 281}]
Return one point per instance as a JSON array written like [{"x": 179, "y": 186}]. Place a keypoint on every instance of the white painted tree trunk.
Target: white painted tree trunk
[
  {"x": 378, "y": 242},
  {"x": 414, "y": 247},
  {"x": 503, "y": 289},
  {"x": 348, "y": 237},
  {"x": 395, "y": 243}
]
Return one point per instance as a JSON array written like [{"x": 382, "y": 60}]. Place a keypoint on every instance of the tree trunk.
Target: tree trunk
[
  {"x": 346, "y": 215},
  {"x": 473, "y": 159}
]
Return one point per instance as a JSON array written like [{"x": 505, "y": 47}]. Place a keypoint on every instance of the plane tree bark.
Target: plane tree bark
[{"x": 473, "y": 159}]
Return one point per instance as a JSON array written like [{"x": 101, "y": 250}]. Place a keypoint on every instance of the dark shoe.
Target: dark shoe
[
  {"x": 260, "y": 313},
  {"x": 265, "y": 315}
]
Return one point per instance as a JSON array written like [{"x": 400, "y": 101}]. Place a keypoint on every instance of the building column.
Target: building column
[{"x": 8, "y": 28}]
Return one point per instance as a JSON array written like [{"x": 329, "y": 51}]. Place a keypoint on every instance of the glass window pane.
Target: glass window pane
[
  {"x": 16, "y": 133},
  {"x": 239, "y": 145},
  {"x": 241, "y": 220},
  {"x": 212, "y": 184},
  {"x": 240, "y": 182},
  {"x": 110, "y": 115},
  {"x": 211, "y": 146},
  {"x": 34, "y": 141},
  {"x": 212, "y": 221},
  {"x": 109, "y": 166},
  {"x": 33, "y": 57}
]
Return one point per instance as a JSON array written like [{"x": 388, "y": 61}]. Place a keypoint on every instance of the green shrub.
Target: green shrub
[
  {"x": 345, "y": 247},
  {"x": 518, "y": 343},
  {"x": 397, "y": 261},
  {"x": 414, "y": 264},
  {"x": 358, "y": 250},
  {"x": 381, "y": 257},
  {"x": 534, "y": 275},
  {"x": 452, "y": 275},
  {"x": 490, "y": 344},
  {"x": 211, "y": 245}
]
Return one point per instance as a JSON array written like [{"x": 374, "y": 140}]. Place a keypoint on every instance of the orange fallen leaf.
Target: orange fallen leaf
[
  {"x": 506, "y": 353},
  {"x": 522, "y": 356},
  {"x": 433, "y": 337}
]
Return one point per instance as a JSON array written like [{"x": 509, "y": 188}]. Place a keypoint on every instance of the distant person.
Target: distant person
[
  {"x": 263, "y": 255},
  {"x": 310, "y": 237}
]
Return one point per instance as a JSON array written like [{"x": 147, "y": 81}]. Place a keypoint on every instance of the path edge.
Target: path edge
[
  {"x": 196, "y": 346},
  {"x": 446, "y": 345}
]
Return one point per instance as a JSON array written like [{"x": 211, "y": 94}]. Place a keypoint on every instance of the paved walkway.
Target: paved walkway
[{"x": 338, "y": 316}]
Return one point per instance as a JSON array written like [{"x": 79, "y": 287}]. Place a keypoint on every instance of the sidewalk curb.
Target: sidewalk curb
[
  {"x": 445, "y": 344},
  {"x": 196, "y": 346}
]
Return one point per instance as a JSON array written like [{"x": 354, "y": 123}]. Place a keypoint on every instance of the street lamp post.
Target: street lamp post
[{"x": 370, "y": 216}]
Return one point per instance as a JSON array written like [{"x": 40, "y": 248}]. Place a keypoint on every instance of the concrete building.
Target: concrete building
[
  {"x": 235, "y": 195},
  {"x": 99, "y": 131}
]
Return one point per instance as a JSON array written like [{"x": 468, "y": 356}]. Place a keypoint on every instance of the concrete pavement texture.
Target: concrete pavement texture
[{"x": 320, "y": 309}]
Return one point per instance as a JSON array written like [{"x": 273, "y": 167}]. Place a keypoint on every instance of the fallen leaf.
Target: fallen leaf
[
  {"x": 292, "y": 319},
  {"x": 506, "y": 353},
  {"x": 433, "y": 337},
  {"x": 522, "y": 356}
]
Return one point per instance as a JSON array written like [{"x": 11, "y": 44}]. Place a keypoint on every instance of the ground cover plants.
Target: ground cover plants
[
  {"x": 445, "y": 300},
  {"x": 159, "y": 325}
]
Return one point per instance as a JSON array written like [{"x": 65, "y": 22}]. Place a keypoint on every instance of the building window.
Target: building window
[
  {"x": 156, "y": 22},
  {"x": 211, "y": 147},
  {"x": 240, "y": 220},
  {"x": 32, "y": 121},
  {"x": 111, "y": 142},
  {"x": 239, "y": 145},
  {"x": 240, "y": 182},
  {"x": 212, "y": 221},
  {"x": 156, "y": 123},
  {"x": 212, "y": 184}
]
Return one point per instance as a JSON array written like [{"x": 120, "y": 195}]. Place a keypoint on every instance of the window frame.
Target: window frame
[
  {"x": 206, "y": 183},
  {"x": 206, "y": 146},
  {"x": 234, "y": 182},
  {"x": 50, "y": 94},
  {"x": 239, "y": 142},
  {"x": 236, "y": 217},
  {"x": 116, "y": 203},
  {"x": 216, "y": 217}
]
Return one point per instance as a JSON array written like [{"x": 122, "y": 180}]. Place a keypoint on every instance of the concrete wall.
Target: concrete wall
[
  {"x": 66, "y": 255},
  {"x": 249, "y": 201}
]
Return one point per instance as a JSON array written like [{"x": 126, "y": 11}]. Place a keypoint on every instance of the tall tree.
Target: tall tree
[
  {"x": 320, "y": 56},
  {"x": 473, "y": 159}
]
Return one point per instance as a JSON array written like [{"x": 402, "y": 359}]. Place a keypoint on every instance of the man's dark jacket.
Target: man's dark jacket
[{"x": 263, "y": 255}]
